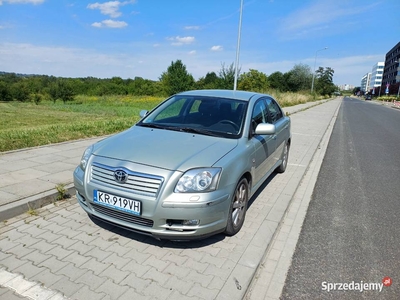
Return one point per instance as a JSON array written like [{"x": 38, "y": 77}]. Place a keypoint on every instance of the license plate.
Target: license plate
[{"x": 118, "y": 202}]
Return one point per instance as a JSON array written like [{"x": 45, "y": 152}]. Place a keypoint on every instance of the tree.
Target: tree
[
  {"x": 143, "y": 87},
  {"x": 53, "y": 91},
  {"x": 5, "y": 93},
  {"x": 66, "y": 92},
  {"x": 210, "y": 81},
  {"x": 20, "y": 91},
  {"x": 61, "y": 89},
  {"x": 176, "y": 79},
  {"x": 299, "y": 78},
  {"x": 277, "y": 81},
  {"x": 324, "y": 84},
  {"x": 227, "y": 77},
  {"x": 254, "y": 81}
]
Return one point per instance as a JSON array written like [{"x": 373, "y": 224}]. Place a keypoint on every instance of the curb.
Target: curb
[{"x": 24, "y": 205}]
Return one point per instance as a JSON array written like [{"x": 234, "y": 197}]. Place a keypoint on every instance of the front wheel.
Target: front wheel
[
  {"x": 238, "y": 208},
  {"x": 284, "y": 159}
]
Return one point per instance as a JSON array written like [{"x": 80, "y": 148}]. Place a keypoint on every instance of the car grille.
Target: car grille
[
  {"x": 122, "y": 215},
  {"x": 139, "y": 183}
]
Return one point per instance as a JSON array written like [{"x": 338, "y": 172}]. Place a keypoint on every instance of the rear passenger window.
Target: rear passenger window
[
  {"x": 274, "y": 111},
  {"x": 259, "y": 114}
]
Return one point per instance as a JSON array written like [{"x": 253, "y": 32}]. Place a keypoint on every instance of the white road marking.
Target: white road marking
[
  {"x": 297, "y": 165},
  {"x": 25, "y": 288},
  {"x": 306, "y": 134}
]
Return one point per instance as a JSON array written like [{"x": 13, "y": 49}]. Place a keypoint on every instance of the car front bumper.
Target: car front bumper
[{"x": 163, "y": 217}]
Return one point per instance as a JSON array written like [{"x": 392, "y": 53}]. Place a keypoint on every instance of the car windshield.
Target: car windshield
[{"x": 199, "y": 114}]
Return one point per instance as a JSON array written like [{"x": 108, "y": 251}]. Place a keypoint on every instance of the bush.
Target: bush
[
  {"x": 37, "y": 98},
  {"x": 386, "y": 98}
]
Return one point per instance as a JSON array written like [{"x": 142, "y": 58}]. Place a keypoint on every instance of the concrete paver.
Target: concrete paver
[{"x": 79, "y": 259}]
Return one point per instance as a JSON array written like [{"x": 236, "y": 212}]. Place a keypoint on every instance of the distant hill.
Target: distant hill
[{"x": 18, "y": 74}]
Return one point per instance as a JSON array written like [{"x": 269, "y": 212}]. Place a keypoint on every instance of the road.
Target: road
[{"x": 350, "y": 234}]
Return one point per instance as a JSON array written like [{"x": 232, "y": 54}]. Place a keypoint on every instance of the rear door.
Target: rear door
[
  {"x": 281, "y": 122},
  {"x": 264, "y": 145}
]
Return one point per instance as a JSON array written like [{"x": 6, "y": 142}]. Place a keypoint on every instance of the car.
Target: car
[
  {"x": 188, "y": 168},
  {"x": 368, "y": 97}
]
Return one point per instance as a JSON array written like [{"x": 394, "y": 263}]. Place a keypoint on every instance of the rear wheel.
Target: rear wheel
[
  {"x": 238, "y": 208},
  {"x": 284, "y": 159}
]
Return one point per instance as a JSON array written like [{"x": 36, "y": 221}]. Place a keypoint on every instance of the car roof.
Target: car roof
[{"x": 239, "y": 95}]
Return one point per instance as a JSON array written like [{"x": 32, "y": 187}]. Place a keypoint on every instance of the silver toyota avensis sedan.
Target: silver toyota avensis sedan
[{"x": 187, "y": 169}]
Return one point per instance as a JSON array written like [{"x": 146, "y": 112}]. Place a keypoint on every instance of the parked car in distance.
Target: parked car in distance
[
  {"x": 188, "y": 168},
  {"x": 368, "y": 97}
]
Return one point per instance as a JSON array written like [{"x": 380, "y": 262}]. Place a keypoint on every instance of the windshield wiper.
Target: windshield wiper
[
  {"x": 153, "y": 125},
  {"x": 197, "y": 130},
  {"x": 177, "y": 128}
]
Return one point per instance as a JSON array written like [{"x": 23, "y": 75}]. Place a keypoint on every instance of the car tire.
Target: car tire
[
  {"x": 284, "y": 159},
  {"x": 238, "y": 208}
]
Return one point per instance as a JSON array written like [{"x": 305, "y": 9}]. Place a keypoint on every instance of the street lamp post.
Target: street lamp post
[
  {"x": 238, "y": 46},
  {"x": 398, "y": 91},
  {"x": 315, "y": 62}
]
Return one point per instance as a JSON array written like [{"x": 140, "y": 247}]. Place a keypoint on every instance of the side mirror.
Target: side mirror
[
  {"x": 265, "y": 128},
  {"x": 143, "y": 113}
]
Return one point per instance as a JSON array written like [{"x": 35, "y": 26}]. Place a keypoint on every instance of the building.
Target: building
[
  {"x": 346, "y": 87},
  {"x": 391, "y": 73},
  {"x": 377, "y": 74},
  {"x": 365, "y": 82}
]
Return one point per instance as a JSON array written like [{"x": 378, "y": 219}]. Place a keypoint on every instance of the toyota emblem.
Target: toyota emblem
[{"x": 120, "y": 176}]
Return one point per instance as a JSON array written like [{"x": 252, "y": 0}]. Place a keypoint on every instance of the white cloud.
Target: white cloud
[
  {"x": 110, "y": 24},
  {"x": 110, "y": 8},
  {"x": 22, "y": 1},
  {"x": 193, "y": 52},
  {"x": 185, "y": 40},
  {"x": 179, "y": 41},
  {"x": 65, "y": 62},
  {"x": 321, "y": 17},
  {"x": 217, "y": 48},
  {"x": 97, "y": 24},
  {"x": 192, "y": 27}
]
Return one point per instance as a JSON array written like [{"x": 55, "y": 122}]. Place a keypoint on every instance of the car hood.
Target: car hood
[{"x": 172, "y": 150}]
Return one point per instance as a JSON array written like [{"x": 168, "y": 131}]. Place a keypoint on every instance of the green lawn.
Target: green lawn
[{"x": 25, "y": 125}]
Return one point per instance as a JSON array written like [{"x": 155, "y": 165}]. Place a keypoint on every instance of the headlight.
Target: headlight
[
  {"x": 86, "y": 156},
  {"x": 198, "y": 180}
]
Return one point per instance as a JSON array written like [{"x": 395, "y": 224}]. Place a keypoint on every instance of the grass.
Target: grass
[
  {"x": 24, "y": 125},
  {"x": 291, "y": 99}
]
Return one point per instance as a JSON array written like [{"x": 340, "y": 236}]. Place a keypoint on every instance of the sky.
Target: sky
[{"x": 141, "y": 38}]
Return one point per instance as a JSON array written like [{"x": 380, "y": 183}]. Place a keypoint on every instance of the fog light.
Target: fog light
[{"x": 191, "y": 222}]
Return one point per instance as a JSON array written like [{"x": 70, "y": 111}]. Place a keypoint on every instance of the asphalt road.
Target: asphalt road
[{"x": 351, "y": 232}]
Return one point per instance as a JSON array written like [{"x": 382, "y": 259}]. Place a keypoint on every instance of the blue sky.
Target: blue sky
[{"x": 72, "y": 38}]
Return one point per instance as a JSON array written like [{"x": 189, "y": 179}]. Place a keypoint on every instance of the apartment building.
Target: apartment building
[
  {"x": 365, "y": 82},
  {"x": 391, "y": 73},
  {"x": 377, "y": 74}
]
